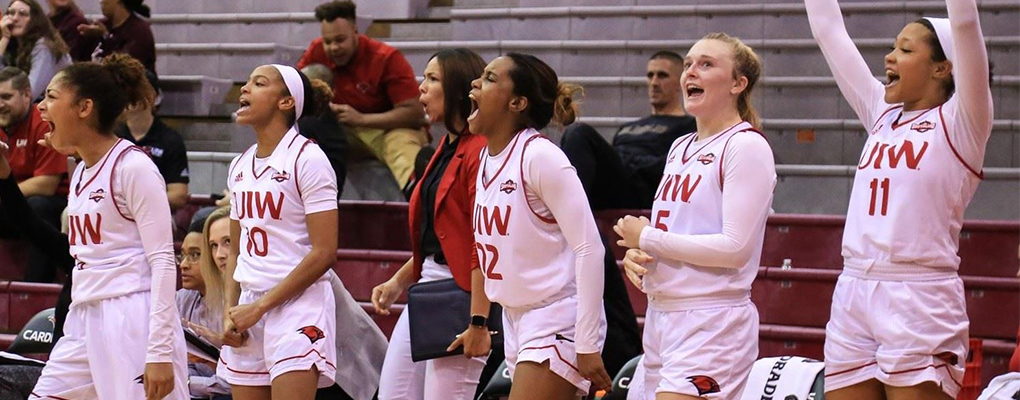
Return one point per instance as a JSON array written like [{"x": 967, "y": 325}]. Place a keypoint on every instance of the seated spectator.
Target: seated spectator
[
  {"x": 196, "y": 312},
  {"x": 124, "y": 29},
  {"x": 18, "y": 381},
  {"x": 324, "y": 128},
  {"x": 166, "y": 147},
  {"x": 41, "y": 172},
  {"x": 626, "y": 174},
  {"x": 31, "y": 43},
  {"x": 66, "y": 17},
  {"x": 374, "y": 88}
]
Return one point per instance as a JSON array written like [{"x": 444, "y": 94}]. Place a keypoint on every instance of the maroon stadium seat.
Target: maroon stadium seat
[
  {"x": 796, "y": 297},
  {"x": 13, "y": 255},
  {"x": 807, "y": 240},
  {"x": 374, "y": 225},
  {"x": 27, "y": 299},
  {"x": 988, "y": 248},
  {"x": 362, "y": 270}
]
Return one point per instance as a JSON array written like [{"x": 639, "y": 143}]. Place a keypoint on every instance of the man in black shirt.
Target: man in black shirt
[
  {"x": 163, "y": 144},
  {"x": 626, "y": 174}
]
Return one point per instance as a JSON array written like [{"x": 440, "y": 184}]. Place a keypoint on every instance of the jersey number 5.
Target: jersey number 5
[{"x": 484, "y": 250}]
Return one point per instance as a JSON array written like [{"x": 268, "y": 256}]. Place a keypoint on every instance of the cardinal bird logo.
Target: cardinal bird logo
[
  {"x": 281, "y": 176},
  {"x": 508, "y": 187},
  {"x": 313, "y": 332},
  {"x": 923, "y": 126},
  {"x": 98, "y": 195},
  {"x": 705, "y": 384},
  {"x": 706, "y": 159}
]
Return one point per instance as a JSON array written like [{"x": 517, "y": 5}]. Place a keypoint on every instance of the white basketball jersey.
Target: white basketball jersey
[
  {"x": 689, "y": 202},
  {"x": 267, "y": 200},
  {"x": 104, "y": 241},
  {"x": 521, "y": 250},
  {"x": 908, "y": 198}
]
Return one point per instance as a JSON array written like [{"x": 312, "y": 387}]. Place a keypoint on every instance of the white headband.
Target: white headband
[
  {"x": 945, "y": 35},
  {"x": 292, "y": 78}
]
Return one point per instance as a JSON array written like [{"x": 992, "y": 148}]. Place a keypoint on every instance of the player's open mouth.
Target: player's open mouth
[
  {"x": 244, "y": 105},
  {"x": 694, "y": 91},
  {"x": 891, "y": 78},
  {"x": 474, "y": 107}
]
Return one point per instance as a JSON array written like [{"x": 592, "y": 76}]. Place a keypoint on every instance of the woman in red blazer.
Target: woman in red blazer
[{"x": 442, "y": 241}]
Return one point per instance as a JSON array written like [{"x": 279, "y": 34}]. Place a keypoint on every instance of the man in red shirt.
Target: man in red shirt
[
  {"x": 41, "y": 172},
  {"x": 374, "y": 88}
]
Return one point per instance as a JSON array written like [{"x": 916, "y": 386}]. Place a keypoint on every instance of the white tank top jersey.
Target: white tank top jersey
[
  {"x": 919, "y": 169},
  {"x": 689, "y": 201},
  {"x": 909, "y": 195},
  {"x": 270, "y": 198},
  {"x": 521, "y": 249},
  {"x": 104, "y": 239}
]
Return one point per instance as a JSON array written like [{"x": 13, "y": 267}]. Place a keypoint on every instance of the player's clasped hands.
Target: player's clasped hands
[
  {"x": 634, "y": 265},
  {"x": 629, "y": 228}
]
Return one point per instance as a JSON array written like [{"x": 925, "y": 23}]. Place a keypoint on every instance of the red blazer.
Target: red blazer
[{"x": 455, "y": 202}]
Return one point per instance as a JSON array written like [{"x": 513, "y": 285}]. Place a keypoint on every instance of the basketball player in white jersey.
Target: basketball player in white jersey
[
  {"x": 280, "y": 319},
  {"x": 899, "y": 327},
  {"x": 122, "y": 337},
  {"x": 697, "y": 260},
  {"x": 537, "y": 242}
]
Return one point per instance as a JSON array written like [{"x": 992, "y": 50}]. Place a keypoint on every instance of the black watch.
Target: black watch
[{"x": 479, "y": 321}]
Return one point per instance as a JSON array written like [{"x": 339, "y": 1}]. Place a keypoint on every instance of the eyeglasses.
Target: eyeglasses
[
  {"x": 191, "y": 257},
  {"x": 17, "y": 13}
]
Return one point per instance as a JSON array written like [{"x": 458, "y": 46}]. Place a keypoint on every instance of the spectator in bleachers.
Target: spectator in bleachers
[
  {"x": 374, "y": 88},
  {"x": 197, "y": 313},
  {"x": 66, "y": 17},
  {"x": 41, "y": 172},
  {"x": 324, "y": 128},
  {"x": 626, "y": 174},
  {"x": 163, "y": 144},
  {"x": 442, "y": 240},
  {"x": 124, "y": 29},
  {"x": 31, "y": 43},
  {"x": 17, "y": 381}
]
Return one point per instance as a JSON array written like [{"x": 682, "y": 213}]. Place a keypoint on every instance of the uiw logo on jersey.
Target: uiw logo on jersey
[
  {"x": 674, "y": 186},
  {"x": 706, "y": 159},
  {"x": 97, "y": 195},
  {"x": 256, "y": 204},
  {"x": 923, "y": 126},
  {"x": 85, "y": 229},
  {"x": 508, "y": 187},
  {"x": 21, "y": 143},
  {"x": 280, "y": 176},
  {"x": 892, "y": 154},
  {"x": 488, "y": 218}
]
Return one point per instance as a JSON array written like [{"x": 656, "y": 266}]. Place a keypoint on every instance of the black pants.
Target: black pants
[
  {"x": 41, "y": 268},
  {"x": 608, "y": 182}
]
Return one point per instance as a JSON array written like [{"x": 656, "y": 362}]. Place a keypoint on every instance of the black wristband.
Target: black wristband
[{"x": 478, "y": 321}]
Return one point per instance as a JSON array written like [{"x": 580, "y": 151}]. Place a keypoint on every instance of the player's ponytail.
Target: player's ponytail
[
  {"x": 322, "y": 94},
  {"x": 130, "y": 77},
  {"x": 746, "y": 63},
  {"x": 566, "y": 108},
  {"x": 112, "y": 84},
  {"x": 547, "y": 97}
]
